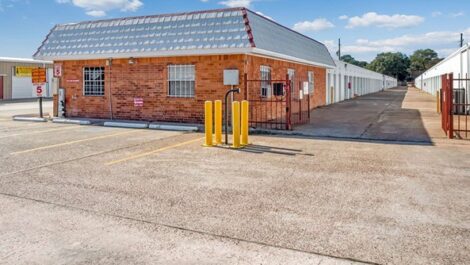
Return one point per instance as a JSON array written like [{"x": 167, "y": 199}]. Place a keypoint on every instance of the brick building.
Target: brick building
[{"x": 175, "y": 62}]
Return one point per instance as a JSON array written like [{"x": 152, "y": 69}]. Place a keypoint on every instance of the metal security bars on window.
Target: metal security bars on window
[
  {"x": 310, "y": 83},
  {"x": 291, "y": 73},
  {"x": 265, "y": 81},
  {"x": 93, "y": 81},
  {"x": 181, "y": 80}
]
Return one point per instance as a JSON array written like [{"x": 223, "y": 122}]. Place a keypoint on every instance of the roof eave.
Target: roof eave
[
  {"x": 291, "y": 58},
  {"x": 221, "y": 51}
]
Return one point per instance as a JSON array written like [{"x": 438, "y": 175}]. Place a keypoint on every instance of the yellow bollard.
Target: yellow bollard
[
  {"x": 218, "y": 121},
  {"x": 245, "y": 128},
  {"x": 208, "y": 123},
  {"x": 438, "y": 101},
  {"x": 236, "y": 124}
]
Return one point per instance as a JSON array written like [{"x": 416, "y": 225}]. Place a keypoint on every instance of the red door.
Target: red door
[{"x": 1, "y": 87}]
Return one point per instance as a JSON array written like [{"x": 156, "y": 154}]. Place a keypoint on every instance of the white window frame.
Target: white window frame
[
  {"x": 265, "y": 77},
  {"x": 93, "y": 87},
  {"x": 181, "y": 80},
  {"x": 311, "y": 82}
]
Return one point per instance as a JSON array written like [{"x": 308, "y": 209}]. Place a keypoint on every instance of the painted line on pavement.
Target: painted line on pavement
[
  {"x": 74, "y": 142},
  {"x": 140, "y": 155},
  {"x": 39, "y": 132}
]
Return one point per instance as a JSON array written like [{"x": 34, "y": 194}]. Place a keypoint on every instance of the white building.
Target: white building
[
  {"x": 15, "y": 78},
  {"x": 346, "y": 81},
  {"x": 457, "y": 63}
]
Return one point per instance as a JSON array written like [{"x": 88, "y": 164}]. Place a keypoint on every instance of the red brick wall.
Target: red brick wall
[
  {"x": 147, "y": 79},
  {"x": 279, "y": 71}
]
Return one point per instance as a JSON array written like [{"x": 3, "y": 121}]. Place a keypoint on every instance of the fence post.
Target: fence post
[
  {"x": 451, "y": 105},
  {"x": 288, "y": 103}
]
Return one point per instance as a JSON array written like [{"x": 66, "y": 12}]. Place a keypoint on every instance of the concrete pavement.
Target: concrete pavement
[
  {"x": 399, "y": 114},
  {"x": 86, "y": 194}
]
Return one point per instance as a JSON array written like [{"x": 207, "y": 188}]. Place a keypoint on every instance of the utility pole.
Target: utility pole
[{"x": 339, "y": 49}]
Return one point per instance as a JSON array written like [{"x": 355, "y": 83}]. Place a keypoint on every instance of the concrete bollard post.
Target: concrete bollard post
[
  {"x": 208, "y": 123},
  {"x": 236, "y": 124},
  {"x": 218, "y": 121},
  {"x": 245, "y": 124}
]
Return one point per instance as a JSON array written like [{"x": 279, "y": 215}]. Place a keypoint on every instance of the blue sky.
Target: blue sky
[{"x": 366, "y": 27}]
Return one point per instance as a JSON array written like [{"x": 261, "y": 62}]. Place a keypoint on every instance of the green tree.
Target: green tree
[
  {"x": 394, "y": 64},
  {"x": 421, "y": 60},
  {"x": 349, "y": 59}
]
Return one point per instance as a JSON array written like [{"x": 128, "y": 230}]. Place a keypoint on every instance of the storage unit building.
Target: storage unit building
[
  {"x": 163, "y": 67},
  {"x": 457, "y": 63},
  {"x": 15, "y": 77},
  {"x": 346, "y": 81}
]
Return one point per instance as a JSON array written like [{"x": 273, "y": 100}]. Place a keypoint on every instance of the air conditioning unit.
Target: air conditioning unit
[{"x": 458, "y": 101}]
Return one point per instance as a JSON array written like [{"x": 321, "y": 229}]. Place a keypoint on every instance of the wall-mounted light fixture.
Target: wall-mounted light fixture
[
  {"x": 109, "y": 62},
  {"x": 132, "y": 60}
]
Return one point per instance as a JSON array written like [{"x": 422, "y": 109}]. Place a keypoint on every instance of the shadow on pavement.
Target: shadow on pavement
[{"x": 394, "y": 116}]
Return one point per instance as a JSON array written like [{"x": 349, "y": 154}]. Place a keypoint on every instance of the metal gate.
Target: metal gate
[
  {"x": 1, "y": 87},
  {"x": 455, "y": 106},
  {"x": 276, "y": 104}
]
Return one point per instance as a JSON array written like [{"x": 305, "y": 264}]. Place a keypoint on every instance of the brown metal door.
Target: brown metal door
[{"x": 1, "y": 87}]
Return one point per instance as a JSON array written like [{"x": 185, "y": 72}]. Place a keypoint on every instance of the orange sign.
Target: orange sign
[{"x": 39, "y": 75}]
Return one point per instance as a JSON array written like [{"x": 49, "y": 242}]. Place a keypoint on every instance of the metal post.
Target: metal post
[
  {"x": 244, "y": 125},
  {"x": 451, "y": 107},
  {"x": 288, "y": 103},
  {"x": 40, "y": 107},
  {"x": 236, "y": 124},
  {"x": 231, "y": 91},
  {"x": 218, "y": 121},
  {"x": 208, "y": 123}
]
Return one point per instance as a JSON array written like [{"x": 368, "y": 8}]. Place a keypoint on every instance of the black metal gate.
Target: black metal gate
[{"x": 277, "y": 104}]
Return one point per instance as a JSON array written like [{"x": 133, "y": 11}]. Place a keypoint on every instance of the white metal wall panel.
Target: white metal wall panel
[
  {"x": 457, "y": 63},
  {"x": 21, "y": 87},
  {"x": 362, "y": 81}
]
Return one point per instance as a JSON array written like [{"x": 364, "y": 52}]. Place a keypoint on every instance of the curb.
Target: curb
[
  {"x": 32, "y": 119},
  {"x": 132, "y": 125},
  {"x": 173, "y": 127},
  {"x": 68, "y": 121}
]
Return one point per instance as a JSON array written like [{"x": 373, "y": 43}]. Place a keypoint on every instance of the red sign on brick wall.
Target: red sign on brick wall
[{"x": 138, "y": 102}]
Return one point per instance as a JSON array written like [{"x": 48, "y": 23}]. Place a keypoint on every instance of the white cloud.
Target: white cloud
[
  {"x": 96, "y": 13},
  {"x": 458, "y": 14},
  {"x": 261, "y": 14},
  {"x": 384, "y": 21},
  {"x": 430, "y": 38},
  {"x": 436, "y": 14},
  {"x": 99, "y": 8},
  {"x": 443, "y": 42},
  {"x": 343, "y": 17},
  {"x": 236, "y": 3},
  {"x": 315, "y": 25}
]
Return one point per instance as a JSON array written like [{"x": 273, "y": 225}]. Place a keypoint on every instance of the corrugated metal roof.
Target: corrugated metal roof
[
  {"x": 23, "y": 60},
  {"x": 223, "y": 31},
  {"x": 271, "y": 36}
]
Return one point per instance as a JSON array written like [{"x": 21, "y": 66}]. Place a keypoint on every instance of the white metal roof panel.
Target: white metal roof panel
[{"x": 235, "y": 30}]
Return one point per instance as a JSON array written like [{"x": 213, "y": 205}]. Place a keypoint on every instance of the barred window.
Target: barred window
[
  {"x": 291, "y": 74},
  {"x": 181, "y": 80},
  {"x": 310, "y": 82},
  {"x": 93, "y": 81},
  {"x": 265, "y": 81}
]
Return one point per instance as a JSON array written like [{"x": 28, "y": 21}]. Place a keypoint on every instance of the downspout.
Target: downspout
[{"x": 110, "y": 64}]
